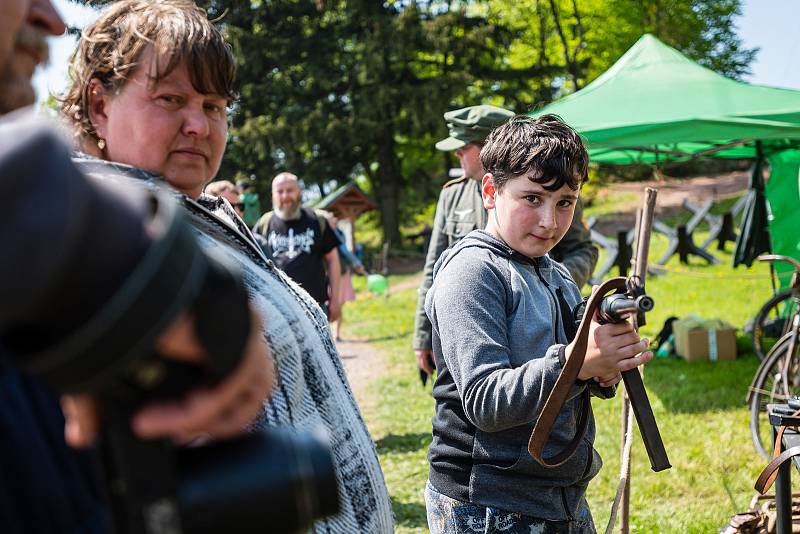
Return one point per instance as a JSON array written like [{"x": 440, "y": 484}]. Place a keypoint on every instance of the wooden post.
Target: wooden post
[
  {"x": 625, "y": 501},
  {"x": 626, "y": 493}
]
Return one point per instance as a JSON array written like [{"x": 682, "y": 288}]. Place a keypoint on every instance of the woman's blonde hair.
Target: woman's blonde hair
[
  {"x": 109, "y": 50},
  {"x": 221, "y": 186}
]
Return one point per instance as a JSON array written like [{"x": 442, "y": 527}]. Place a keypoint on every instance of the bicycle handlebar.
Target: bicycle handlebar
[{"x": 777, "y": 257}]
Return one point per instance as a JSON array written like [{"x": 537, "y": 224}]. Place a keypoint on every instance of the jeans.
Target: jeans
[{"x": 449, "y": 516}]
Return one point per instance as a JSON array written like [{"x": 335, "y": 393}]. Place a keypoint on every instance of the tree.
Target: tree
[
  {"x": 334, "y": 89},
  {"x": 590, "y": 35}
]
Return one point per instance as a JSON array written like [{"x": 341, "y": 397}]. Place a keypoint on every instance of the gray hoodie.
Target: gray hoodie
[{"x": 500, "y": 323}]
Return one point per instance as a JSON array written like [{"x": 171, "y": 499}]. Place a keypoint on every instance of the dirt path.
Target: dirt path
[
  {"x": 671, "y": 194},
  {"x": 673, "y": 191},
  {"x": 362, "y": 361}
]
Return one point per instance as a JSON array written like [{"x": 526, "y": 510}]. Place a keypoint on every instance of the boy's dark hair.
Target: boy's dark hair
[{"x": 544, "y": 144}]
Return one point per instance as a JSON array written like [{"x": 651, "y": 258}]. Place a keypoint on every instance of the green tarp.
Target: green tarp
[
  {"x": 655, "y": 105},
  {"x": 784, "y": 202}
]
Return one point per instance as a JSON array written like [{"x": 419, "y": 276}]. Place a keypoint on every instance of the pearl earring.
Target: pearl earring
[{"x": 101, "y": 144}]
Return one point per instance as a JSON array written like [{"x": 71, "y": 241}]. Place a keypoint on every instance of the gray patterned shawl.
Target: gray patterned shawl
[{"x": 311, "y": 389}]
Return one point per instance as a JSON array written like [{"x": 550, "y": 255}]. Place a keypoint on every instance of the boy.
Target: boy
[{"x": 502, "y": 318}]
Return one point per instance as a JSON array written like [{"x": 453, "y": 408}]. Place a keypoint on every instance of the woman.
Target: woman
[
  {"x": 225, "y": 189},
  {"x": 350, "y": 264},
  {"x": 151, "y": 84}
]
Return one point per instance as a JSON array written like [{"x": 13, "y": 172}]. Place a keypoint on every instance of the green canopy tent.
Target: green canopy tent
[{"x": 655, "y": 105}]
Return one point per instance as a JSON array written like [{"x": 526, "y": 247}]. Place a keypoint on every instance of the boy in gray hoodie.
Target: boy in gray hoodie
[{"x": 503, "y": 320}]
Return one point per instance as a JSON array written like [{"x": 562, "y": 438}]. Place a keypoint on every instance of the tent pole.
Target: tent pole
[{"x": 759, "y": 165}]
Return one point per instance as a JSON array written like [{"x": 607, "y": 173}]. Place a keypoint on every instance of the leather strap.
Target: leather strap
[
  {"x": 770, "y": 472},
  {"x": 768, "y": 475},
  {"x": 569, "y": 374}
]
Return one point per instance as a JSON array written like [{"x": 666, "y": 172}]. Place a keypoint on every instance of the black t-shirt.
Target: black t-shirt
[{"x": 298, "y": 249}]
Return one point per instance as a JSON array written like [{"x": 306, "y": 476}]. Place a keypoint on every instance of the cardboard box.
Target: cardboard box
[{"x": 700, "y": 340}]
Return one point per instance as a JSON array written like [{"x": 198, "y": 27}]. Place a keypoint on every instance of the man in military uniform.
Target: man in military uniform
[{"x": 460, "y": 210}]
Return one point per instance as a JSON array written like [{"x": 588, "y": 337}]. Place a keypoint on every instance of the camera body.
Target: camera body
[
  {"x": 277, "y": 481},
  {"x": 267, "y": 481}
]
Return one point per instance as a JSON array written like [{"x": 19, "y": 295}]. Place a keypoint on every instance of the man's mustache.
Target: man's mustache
[{"x": 31, "y": 37}]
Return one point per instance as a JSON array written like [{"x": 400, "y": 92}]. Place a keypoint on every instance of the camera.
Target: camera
[{"x": 267, "y": 481}]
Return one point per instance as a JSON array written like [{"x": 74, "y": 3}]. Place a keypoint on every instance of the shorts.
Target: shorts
[{"x": 449, "y": 516}]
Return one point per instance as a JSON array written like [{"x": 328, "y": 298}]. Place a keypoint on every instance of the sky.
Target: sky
[
  {"x": 770, "y": 25},
  {"x": 53, "y": 78}
]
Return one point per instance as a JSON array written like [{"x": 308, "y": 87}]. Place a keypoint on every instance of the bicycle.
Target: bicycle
[
  {"x": 772, "y": 322},
  {"x": 778, "y": 375}
]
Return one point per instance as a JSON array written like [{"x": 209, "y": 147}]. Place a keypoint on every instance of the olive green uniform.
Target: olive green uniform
[{"x": 458, "y": 212}]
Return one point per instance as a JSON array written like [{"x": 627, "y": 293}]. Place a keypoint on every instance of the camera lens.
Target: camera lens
[{"x": 270, "y": 481}]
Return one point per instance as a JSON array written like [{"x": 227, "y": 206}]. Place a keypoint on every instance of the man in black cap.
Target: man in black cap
[{"x": 460, "y": 210}]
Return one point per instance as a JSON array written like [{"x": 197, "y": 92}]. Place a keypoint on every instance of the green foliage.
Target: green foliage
[
  {"x": 355, "y": 94},
  {"x": 699, "y": 407},
  {"x": 50, "y": 107},
  {"x": 592, "y": 190},
  {"x": 585, "y": 37},
  {"x": 362, "y": 92},
  {"x": 334, "y": 90}
]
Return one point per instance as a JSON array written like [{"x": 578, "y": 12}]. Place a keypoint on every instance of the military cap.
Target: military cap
[{"x": 471, "y": 125}]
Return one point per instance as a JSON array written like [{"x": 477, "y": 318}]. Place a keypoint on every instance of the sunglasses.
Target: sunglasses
[{"x": 238, "y": 205}]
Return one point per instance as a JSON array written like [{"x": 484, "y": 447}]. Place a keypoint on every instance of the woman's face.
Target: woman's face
[{"x": 166, "y": 127}]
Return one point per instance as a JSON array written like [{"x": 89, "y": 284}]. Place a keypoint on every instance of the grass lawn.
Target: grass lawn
[{"x": 699, "y": 407}]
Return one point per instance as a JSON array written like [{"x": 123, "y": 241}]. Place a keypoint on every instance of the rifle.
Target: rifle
[{"x": 630, "y": 299}]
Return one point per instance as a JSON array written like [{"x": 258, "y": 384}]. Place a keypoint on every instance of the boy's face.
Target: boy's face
[{"x": 529, "y": 218}]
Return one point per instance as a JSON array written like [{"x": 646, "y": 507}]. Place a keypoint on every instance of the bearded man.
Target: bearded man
[{"x": 302, "y": 243}]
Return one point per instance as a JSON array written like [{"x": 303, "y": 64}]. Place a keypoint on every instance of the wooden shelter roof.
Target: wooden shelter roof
[{"x": 347, "y": 201}]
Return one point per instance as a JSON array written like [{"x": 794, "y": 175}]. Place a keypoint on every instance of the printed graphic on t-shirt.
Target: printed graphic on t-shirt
[
  {"x": 290, "y": 244},
  {"x": 298, "y": 247}
]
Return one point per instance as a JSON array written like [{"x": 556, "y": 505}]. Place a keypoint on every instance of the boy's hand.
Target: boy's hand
[
  {"x": 612, "y": 348},
  {"x": 334, "y": 310},
  {"x": 608, "y": 381}
]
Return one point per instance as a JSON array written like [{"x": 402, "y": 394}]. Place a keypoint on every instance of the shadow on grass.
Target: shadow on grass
[
  {"x": 409, "y": 514},
  {"x": 361, "y": 340},
  {"x": 399, "y": 443},
  {"x": 698, "y": 387}
]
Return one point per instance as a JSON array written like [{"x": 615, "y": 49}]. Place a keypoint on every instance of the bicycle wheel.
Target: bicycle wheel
[
  {"x": 772, "y": 321},
  {"x": 777, "y": 379}
]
